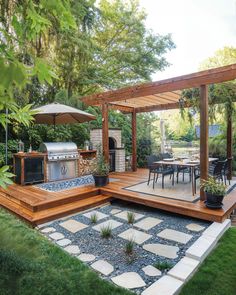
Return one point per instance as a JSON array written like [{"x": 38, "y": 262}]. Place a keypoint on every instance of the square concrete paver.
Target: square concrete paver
[
  {"x": 111, "y": 223},
  {"x": 195, "y": 227},
  {"x": 164, "y": 286},
  {"x": 162, "y": 250},
  {"x": 148, "y": 223},
  {"x": 73, "y": 225},
  {"x": 115, "y": 211},
  {"x": 201, "y": 248},
  {"x": 103, "y": 267},
  {"x": 99, "y": 215},
  {"x": 174, "y": 235},
  {"x": 184, "y": 269},
  {"x": 123, "y": 215},
  {"x": 137, "y": 236},
  {"x": 129, "y": 280}
]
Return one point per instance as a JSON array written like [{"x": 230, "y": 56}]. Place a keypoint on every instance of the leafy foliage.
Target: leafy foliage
[
  {"x": 214, "y": 187},
  {"x": 101, "y": 168},
  {"x": 131, "y": 217},
  {"x": 106, "y": 232},
  {"x": 129, "y": 247}
]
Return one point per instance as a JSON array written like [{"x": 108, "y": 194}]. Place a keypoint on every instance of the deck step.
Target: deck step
[
  {"x": 53, "y": 213},
  {"x": 70, "y": 208}
]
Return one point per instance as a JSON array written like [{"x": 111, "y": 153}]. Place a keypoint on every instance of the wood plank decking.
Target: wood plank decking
[{"x": 38, "y": 206}]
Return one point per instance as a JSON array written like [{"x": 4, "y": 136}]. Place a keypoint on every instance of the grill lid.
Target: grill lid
[{"x": 59, "y": 150}]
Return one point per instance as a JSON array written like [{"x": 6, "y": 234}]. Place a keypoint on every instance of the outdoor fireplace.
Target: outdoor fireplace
[{"x": 116, "y": 151}]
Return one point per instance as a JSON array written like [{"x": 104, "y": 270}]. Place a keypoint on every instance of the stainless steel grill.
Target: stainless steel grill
[{"x": 61, "y": 160}]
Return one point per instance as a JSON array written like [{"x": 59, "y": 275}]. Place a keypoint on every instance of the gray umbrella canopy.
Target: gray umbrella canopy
[{"x": 55, "y": 113}]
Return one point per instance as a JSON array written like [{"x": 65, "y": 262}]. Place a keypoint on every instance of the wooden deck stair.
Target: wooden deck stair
[{"x": 55, "y": 209}]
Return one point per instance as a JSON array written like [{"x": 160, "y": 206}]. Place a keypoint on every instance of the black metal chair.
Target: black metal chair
[
  {"x": 225, "y": 170},
  {"x": 215, "y": 170},
  {"x": 183, "y": 170},
  {"x": 158, "y": 169}
]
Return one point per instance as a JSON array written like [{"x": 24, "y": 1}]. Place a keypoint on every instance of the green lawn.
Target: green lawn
[
  {"x": 217, "y": 275},
  {"x": 31, "y": 265}
]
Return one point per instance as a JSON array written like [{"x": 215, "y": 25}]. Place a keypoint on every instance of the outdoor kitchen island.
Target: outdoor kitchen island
[{"x": 55, "y": 161}]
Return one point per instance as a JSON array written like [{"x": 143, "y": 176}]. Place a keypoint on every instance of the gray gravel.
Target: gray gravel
[{"x": 112, "y": 249}]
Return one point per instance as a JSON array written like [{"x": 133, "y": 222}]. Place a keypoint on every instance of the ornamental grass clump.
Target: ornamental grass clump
[
  {"x": 130, "y": 217},
  {"x": 106, "y": 232},
  {"x": 213, "y": 187},
  {"x": 94, "y": 218},
  {"x": 163, "y": 265},
  {"x": 129, "y": 247}
]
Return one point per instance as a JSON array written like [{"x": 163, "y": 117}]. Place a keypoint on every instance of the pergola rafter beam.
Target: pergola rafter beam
[{"x": 211, "y": 76}]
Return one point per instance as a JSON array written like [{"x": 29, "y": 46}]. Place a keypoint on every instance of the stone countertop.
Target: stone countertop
[{"x": 32, "y": 154}]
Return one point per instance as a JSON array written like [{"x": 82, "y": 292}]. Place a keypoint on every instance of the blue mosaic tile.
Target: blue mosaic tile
[{"x": 67, "y": 184}]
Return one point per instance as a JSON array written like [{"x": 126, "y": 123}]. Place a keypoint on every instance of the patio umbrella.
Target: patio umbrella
[{"x": 55, "y": 113}]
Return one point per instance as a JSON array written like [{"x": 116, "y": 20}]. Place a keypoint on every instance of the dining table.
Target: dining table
[{"x": 185, "y": 162}]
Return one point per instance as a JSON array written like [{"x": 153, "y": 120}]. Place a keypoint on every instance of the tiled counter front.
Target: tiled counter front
[{"x": 86, "y": 161}]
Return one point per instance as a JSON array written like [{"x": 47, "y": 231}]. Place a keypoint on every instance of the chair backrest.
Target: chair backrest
[
  {"x": 165, "y": 155},
  {"x": 151, "y": 159},
  {"x": 218, "y": 168}
]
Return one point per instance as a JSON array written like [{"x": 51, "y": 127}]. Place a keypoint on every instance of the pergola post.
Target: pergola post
[
  {"x": 134, "y": 141},
  {"x": 204, "y": 129},
  {"x": 229, "y": 145},
  {"x": 105, "y": 135}
]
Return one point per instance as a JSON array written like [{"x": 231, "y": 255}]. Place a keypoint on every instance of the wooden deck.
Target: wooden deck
[{"x": 39, "y": 206}]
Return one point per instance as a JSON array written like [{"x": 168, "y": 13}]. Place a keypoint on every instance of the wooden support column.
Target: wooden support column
[
  {"x": 134, "y": 141},
  {"x": 229, "y": 145},
  {"x": 204, "y": 129},
  {"x": 105, "y": 135}
]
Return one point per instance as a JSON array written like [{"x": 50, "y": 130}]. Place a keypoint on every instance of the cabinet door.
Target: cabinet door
[{"x": 34, "y": 170}]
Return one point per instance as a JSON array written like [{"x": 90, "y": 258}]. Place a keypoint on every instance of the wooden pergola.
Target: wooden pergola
[{"x": 165, "y": 95}]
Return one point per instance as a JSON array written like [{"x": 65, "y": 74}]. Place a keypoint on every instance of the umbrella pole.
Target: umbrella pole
[{"x": 6, "y": 138}]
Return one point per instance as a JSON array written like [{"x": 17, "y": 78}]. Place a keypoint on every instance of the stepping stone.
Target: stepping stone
[
  {"x": 56, "y": 236},
  {"x": 73, "y": 225},
  {"x": 148, "y": 223},
  {"x": 137, "y": 236},
  {"x": 123, "y": 215},
  {"x": 164, "y": 286},
  {"x": 129, "y": 280},
  {"x": 195, "y": 227},
  {"x": 111, "y": 223},
  {"x": 86, "y": 257},
  {"x": 72, "y": 249},
  {"x": 99, "y": 214},
  {"x": 174, "y": 235},
  {"x": 115, "y": 211},
  {"x": 47, "y": 230},
  {"x": 162, "y": 250},
  {"x": 151, "y": 271},
  {"x": 103, "y": 267},
  {"x": 63, "y": 242},
  {"x": 184, "y": 269}
]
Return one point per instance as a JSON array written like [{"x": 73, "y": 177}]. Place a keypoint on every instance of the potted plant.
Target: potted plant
[
  {"x": 215, "y": 192},
  {"x": 101, "y": 170}
]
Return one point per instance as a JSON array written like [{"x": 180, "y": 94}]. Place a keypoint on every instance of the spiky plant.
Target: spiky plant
[
  {"x": 94, "y": 218},
  {"x": 106, "y": 232},
  {"x": 130, "y": 217},
  {"x": 129, "y": 247}
]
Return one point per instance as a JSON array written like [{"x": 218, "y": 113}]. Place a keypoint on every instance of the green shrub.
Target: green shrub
[
  {"x": 164, "y": 265},
  {"x": 130, "y": 217},
  {"x": 129, "y": 247},
  {"x": 94, "y": 218}
]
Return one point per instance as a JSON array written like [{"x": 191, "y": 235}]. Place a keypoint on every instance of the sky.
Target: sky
[{"x": 198, "y": 29}]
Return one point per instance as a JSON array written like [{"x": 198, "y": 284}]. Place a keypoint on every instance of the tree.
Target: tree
[{"x": 22, "y": 23}]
